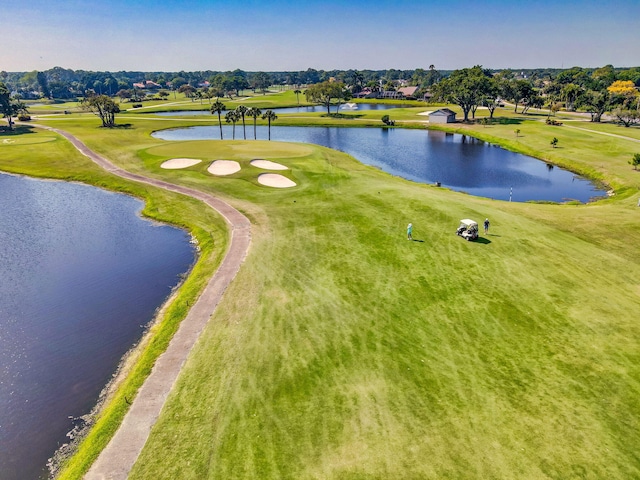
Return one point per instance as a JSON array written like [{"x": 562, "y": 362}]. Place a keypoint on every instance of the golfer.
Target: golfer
[
  {"x": 486, "y": 225},
  {"x": 409, "y": 231}
]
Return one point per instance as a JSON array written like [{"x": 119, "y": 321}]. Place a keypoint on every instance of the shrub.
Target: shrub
[{"x": 24, "y": 118}]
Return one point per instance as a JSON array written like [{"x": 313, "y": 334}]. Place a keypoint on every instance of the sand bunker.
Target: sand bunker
[
  {"x": 176, "y": 163},
  {"x": 223, "y": 167},
  {"x": 267, "y": 165},
  {"x": 275, "y": 180}
]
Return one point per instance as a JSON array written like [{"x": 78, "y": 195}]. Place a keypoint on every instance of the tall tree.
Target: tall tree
[
  {"x": 261, "y": 81},
  {"x": 518, "y": 90},
  {"x": 466, "y": 88},
  {"x": 596, "y": 103},
  {"x": 242, "y": 111},
  {"x": 218, "y": 107},
  {"x": 44, "y": 84},
  {"x": 255, "y": 113},
  {"x": 103, "y": 107},
  {"x": 297, "y": 92},
  {"x": 325, "y": 93},
  {"x": 232, "y": 117},
  {"x": 270, "y": 116},
  {"x": 123, "y": 93},
  {"x": 490, "y": 95},
  {"x": 570, "y": 93},
  {"x": 10, "y": 106}
]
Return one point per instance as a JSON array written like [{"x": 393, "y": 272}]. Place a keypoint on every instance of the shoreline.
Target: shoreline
[
  {"x": 84, "y": 423},
  {"x": 117, "y": 457}
]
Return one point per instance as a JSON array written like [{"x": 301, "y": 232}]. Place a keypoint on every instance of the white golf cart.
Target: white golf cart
[{"x": 468, "y": 229}]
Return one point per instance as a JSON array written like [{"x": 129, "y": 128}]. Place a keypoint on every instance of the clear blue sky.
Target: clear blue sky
[{"x": 276, "y": 35}]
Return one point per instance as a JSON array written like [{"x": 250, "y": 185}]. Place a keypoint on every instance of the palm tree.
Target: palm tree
[
  {"x": 297, "y": 92},
  {"x": 218, "y": 107},
  {"x": 242, "y": 111},
  {"x": 255, "y": 113},
  {"x": 232, "y": 117},
  {"x": 270, "y": 116}
]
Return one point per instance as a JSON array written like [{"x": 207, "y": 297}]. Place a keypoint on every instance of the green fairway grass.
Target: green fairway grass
[{"x": 343, "y": 351}]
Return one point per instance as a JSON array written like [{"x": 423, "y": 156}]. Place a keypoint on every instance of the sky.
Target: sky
[{"x": 279, "y": 35}]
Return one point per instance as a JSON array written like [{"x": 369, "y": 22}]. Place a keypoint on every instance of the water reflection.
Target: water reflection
[
  {"x": 80, "y": 275},
  {"x": 459, "y": 162},
  {"x": 308, "y": 109}
]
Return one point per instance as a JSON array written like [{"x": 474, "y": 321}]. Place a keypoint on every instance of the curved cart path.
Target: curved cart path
[{"x": 117, "y": 459}]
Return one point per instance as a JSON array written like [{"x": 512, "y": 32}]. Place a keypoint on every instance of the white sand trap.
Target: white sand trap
[
  {"x": 223, "y": 167},
  {"x": 426, "y": 113},
  {"x": 267, "y": 165},
  {"x": 176, "y": 163},
  {"x": 275, "y": 180}
]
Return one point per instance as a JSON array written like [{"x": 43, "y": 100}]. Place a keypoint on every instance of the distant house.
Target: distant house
[
  {"x": 408, "y": 91},
  {"x": 443, "y": 115},
  {"x": 147, "y": 84},
  {"x": 366, "y": 92}
]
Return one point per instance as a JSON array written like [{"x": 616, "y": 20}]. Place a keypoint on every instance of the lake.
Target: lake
[
  {"x": 309, "y": 109},
  {"x": 81, "y": 275},
  {"x": 458, "y": 162}
]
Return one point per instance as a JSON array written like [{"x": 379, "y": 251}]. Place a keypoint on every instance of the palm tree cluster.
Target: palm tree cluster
[{"x": 240, "y": 114}]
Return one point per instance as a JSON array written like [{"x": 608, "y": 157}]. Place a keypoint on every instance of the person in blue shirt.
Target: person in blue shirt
[{"x": 409, "y": 231}]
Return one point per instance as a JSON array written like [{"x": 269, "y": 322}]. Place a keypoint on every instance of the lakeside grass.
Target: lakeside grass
[
  {"x": 44, "y": 154},
  {"x": 344, "y": 351}
]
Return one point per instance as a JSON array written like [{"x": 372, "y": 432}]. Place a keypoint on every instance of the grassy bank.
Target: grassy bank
[
  {"x": 46, "y": 155},
  {"x": 342, "y": 350}
]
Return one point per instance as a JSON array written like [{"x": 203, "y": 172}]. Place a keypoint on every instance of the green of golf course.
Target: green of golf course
[{"x": 342, "y": 350}]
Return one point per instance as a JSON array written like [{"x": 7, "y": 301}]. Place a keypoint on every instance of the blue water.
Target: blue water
[
  {"x": 459, "y": 162},
  {"x": 81, "y": 275},
  {"x": 310, "y": 109}
]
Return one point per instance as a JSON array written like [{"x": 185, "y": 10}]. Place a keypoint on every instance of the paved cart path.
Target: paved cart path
[{"x": 118, "y": 457}]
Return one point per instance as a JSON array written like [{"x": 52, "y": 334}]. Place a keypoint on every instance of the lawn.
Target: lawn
[{"x": 344, "y": 351}]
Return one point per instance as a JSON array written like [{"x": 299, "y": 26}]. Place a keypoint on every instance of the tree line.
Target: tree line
[{"x": 592, "y": 91}]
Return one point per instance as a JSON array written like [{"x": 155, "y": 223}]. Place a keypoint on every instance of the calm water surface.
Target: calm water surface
[
  {"x": 310, "y": 109},
  {"x": 458, "y": 162},
  {"x": 81, "y": 274}
]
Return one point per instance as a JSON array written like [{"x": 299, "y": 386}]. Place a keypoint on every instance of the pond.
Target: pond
[
  {"x": 458, "y": 162},
  {"x": 346, "y": 108},
  {"x": 81, "y": 275}
]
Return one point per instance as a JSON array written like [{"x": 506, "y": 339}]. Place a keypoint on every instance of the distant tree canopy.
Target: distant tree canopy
[
  {"x": 598, "y": 91},
  {"x": 622, "y": 87},
  {"x": 260, "y": 81}
]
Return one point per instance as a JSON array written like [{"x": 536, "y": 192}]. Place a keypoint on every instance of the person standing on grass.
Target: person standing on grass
[
  {"x": 409, "y": 231},
  {"x": 486, "y": 225}
]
